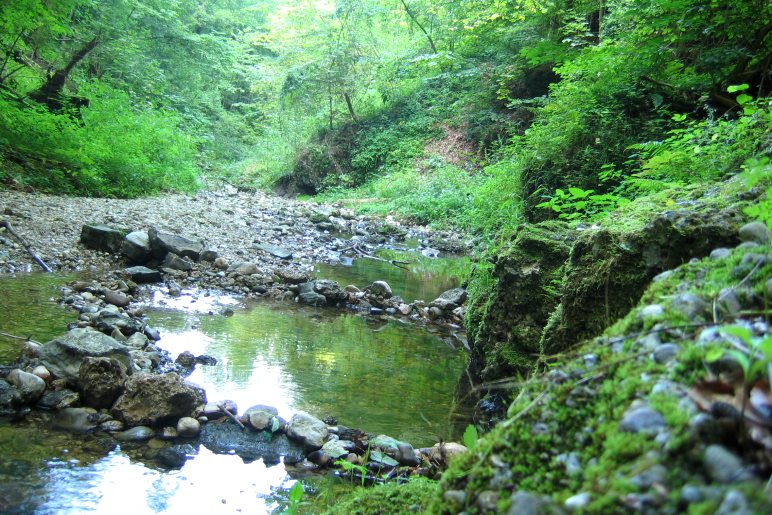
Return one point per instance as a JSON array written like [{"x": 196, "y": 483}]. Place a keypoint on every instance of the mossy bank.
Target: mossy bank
[{"x": 598, "y": 337}]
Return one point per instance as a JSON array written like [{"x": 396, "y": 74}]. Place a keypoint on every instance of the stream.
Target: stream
[{"x": 381, "y": 375}]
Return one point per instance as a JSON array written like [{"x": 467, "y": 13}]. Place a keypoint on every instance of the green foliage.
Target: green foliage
[
  {"x": 754, "y": 355},
  {"x": 582, "y": 204},
  {"x": 470, "y": 437},
  {"x": 295, "y": 498},
  {"x": 113, "y": 149}
]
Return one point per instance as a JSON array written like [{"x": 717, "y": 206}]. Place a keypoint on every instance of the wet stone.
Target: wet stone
[
  {"x": 723, "y": 466},
  {"x": 135, "y": 434}
]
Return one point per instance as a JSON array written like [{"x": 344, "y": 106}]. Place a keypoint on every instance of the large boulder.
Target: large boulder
[
  {"x": 64, "y": 355},
  {"x": 136, "y": 247},
  {"x": 163, "y": 242},
  {"x": 152, "y": 400},
  {"x": 308, "y": 430},
  {"x": 101, "y": 237},
  {"x": 101, "y": 381}
]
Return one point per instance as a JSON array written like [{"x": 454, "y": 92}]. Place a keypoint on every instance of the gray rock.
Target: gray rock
[
  {"x": 135, "y": 434},
  {"x": 186, "y": 359},
  {"x": 642, "y": 420},
  {"x": 526, "y": 503},
  {"x": 64, "y": 355},
  {"x": 652, "y": 311},
  {"x": 229, "y": 438},
  {"x": 578, "y": 501},
  {"x": 209, "y": 255},
  {"x": 381, "y": 288},
  {"x": 188, "y": 427},
  {"x": 728, "y": 302},
  {"x": 330, "y": 290},
  {"x": 174, "y": 457},
  {"x": 243, "y": 268},
  {"x": 665, "y": 353},
  {"x": 656, "y": 474},
  {"x": 10, "y": 399},
  {"x": 149, "y": 399},
  {"x": 217, "y": 409},
  {"x": 723, "y": 466},
  {"x": 101, "y": 381},
  {"x": 291, "y": 275},
  {"x": 756, "y": 232},
  {"x": 163, "y": 242},
  {"x": 58, "y": 399},
  {"x": 176, "y": 262},
  {"x": 136, "y": 247},
  {"x": 312, "y": 298},
  {"x": 734, "y": 504},
  {"x": 450, "y": 299},
  {"x": 109, "y": 319},
  {"x": 691, "y": 305},
  {"x": 335, "y": 449},
  {"x": 720, "y": 253},
  {"x": 274, "y": 250},
  {"x": 42, "y": 372},
  {"x": 143, "y": 274},
  {"x": 260, "y": 416},
  {"x": 308, "y": 430},
  {"x": 487, "y": 501},
  {"x": 455, "y": 497},
  {"x": 77, "y": 420},
  {"x": 101, "y": 237},
  {"x": 116, "y": 298},
  {"x": 29, "y": 386},
  {"x": 111, "y": 426},
  {"x": 383, "y": 459}
]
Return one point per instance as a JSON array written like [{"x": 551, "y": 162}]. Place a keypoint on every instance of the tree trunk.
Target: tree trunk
[
  {"x": 50, "y": 92},
  {"x": 350, "y": 106},
  {"x": 415, "y": 20}
]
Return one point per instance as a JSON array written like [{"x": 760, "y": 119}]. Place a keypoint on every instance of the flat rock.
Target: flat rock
[
  {"x": 163, "y": 242},
  {"x": 274, "y": 250},
  {"x": 101, "y": 237},
  {"x": 63, "y": 356},
  {"x": 143, "y": 274},
  {"x": 116, "y": 298},
  {"x": 450, "y": 299},
  {"x": 136, "y": 247},
  {"x": 176, "y": 262},
  {"x": 227, "y": 438},
  {"x": 77, "y": 420},
  {"x": 135, "y": 434}
]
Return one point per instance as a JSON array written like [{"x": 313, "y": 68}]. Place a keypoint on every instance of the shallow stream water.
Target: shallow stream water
[{"x": 380, "y": 375}]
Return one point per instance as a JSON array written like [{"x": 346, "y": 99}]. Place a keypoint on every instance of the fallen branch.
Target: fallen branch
[
  {"x": 7, "y": 225},
  {"x": 231, "y": 415},
  {"x": 22, "y": 338},
  {"x": 369, "y": 255}
]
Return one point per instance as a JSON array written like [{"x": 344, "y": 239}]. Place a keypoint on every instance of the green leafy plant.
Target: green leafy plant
[
  {"x": 577, "y": 203},
  {"x": 470, "y": 437},
  {"x": 754, "y": 355},
  {"x": 295, "y": 498}
]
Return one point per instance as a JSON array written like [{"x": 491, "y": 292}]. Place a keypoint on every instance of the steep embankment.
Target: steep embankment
[{"x": 607, "y": 341}]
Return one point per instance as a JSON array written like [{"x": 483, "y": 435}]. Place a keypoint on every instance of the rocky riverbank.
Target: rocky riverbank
[{"x": 108, "y": 376}]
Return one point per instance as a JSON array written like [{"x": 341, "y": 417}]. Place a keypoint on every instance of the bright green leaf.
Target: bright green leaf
[
  {"x": 714, "y": 355},
  {"x": 736, "y": 88},
  {"x": 470, "y": 436},
  {"x": 737, "y": 331}
]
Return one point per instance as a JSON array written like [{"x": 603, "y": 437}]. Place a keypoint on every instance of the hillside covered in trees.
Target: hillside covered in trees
[{"x": 596, "y": 155}]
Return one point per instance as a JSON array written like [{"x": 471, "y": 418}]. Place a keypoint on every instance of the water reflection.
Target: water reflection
[{"x": 394, "y": 379}]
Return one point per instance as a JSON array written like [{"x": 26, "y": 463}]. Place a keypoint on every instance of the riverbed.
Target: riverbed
[{"x": 375, "y": 373}]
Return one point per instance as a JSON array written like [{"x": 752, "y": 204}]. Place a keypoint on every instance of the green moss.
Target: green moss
[{"x": 412, "y": 496}]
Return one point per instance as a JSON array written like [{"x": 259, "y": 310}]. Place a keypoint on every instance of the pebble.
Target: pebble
[
  {"x": 723, "y": 466},
  {"x": 456, "y": 497},
  {"x": 733, "y": 504},
  {"x": 720, "y": 253},
  {"x": 756, "y": 232},
  {"x": 652, "y": 311},
  {"x": 188, "y": 427},
  {"x": 665, "y": 353},
  {"x": 642, "y": 420},
  {"x": 578, "y": 501},
  {"x": 135, "y": 434}
]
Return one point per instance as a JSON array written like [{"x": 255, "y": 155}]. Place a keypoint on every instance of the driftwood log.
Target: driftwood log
[{"x": 7, "y": 226}]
